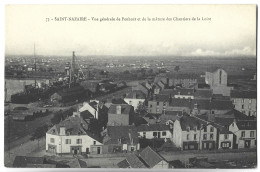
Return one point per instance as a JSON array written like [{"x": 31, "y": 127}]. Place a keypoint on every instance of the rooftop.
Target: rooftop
[
  {"x": 125, "y": 109},
  {"x": 243, "y": 94},
  {"x": 150, "y": 157},
  {"x": 135, "y": 94}
]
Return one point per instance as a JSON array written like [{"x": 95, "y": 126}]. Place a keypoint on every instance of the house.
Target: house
[
  {"x": 244, "y": 101},
  {"x": 145, "y": 87},
  {"x": 225, "y": 140},
  {"x": 120, "y": 138},
  {"x": 214, "y": 107},
  {"x": 218, "y": 82},
  {"x": 152, "y": 159},
  {"x": 92, "y": 107},
  {"x": 192, "y": 133},
  {"x": 120, "y": 115},
  {"x": 151, "y": 131},
  {"x": 135, "y": 98},
  {"x": 72, "y": 136},
  {"x": 245, "y": 133}
]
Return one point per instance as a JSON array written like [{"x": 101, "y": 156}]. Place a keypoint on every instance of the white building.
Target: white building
[
  {"x": 151, "y": 131},
  {"x": 71, "y": 136},
  {"x": 245, "y": 132},
  {"x": 92, "y": 107},
  {"x": 245, "y": 102}
]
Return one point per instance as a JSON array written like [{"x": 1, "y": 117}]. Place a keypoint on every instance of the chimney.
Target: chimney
[
  {"x": 118, "y": 109},
  {"x": 62, "y": 131},
  {"x": 134, "y": 95}
]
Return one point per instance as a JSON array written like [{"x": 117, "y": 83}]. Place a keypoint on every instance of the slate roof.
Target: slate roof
[
  {"x": 150, "y": 157},
  {"x": 183, "y": 91},
  {"x": 212, "y": 104},
  {"x": 123, "y": 164},
  {"x": 125, "y": 109},
  {"x": 246, "y": 125},
  {"x": 73, "y": 125},
  {"x": 134, "y": 161},
  {"x": 180, "y": 103},
  {"x": 203, "y": 93},
  {"x": 121, "y": 132},
  {"x": 243, "y": 94},
  {"x": 136, "y": 94},
  {"x": 192, "y": 122},
  {"x": 153, "y": 127}
]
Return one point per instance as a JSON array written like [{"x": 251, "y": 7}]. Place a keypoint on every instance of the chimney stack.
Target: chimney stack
[{"x": 118, "y": 109}]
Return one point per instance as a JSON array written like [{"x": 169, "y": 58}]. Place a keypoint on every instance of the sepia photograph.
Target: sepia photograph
[{"x": 130, "y": 86}]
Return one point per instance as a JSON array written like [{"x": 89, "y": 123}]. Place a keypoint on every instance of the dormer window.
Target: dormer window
[
  {"x": 195, "y": 128},
  {"x": 188, "y": 129},
  {"x": 53, "y": 131}
]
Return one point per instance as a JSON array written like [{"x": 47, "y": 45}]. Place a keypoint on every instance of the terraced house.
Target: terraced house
[
  {"x": 191, "y": 133},
  {"x": 245, "y": 133}
]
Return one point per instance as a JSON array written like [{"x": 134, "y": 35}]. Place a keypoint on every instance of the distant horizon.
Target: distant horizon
[{"x": 170, "y": 56}]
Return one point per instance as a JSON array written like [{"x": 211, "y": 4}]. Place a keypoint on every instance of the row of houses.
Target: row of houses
[{"x": 187, "y": 132}]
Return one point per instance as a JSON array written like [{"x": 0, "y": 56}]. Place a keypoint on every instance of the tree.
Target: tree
[{"x": 141, "y": 109}]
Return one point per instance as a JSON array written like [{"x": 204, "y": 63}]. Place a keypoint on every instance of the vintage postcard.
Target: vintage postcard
[{"x": 130, "y": 86}]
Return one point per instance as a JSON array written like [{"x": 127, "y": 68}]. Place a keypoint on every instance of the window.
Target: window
[
  {"x": 211, "y": 136},
  {"x": 191, "y": 146},
  {"x": 151, "y": 106},
  {"x": 52, "y": 140},
  {"x": 249, "y": 113},
  {"x": 130, "y": 102},
  {"x": 226, "y": 136},
  {"x": 205, "y": 128},
  {"x": 188, "y": 137},
  {"x": 204, "y": 136},
  {"x": 157, "y": 110},
  {"x": 94, "y": 142},
  {"x": 157, "y": 103},
  {"x": 249, "y": 106},
  {"x": 234, "y": 101},
  {"x": 164, "y": 133},
  {"x": 195, "y": 128},
  {"x": 68, "y": 141},
  {"x": 250, "y": 100},
  {"x": 252, "y": 134},
  {"x": 243, "y": 134},
  {"x": 211, "y": 129},
  {"x": 188, "y": 129},
  {"x": 195, "y": 136},
  {"x": 154, "y": 134},
  {"x": 242, "y": 100},
  {"x": 79, "y": 141},
  {"x": 242, "y": 107},
  {"x": 144, "y": 134},
  {"x": 164, "y": 103}
]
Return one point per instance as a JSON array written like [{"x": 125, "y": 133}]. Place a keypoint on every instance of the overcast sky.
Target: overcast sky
[{"x": 231, "y": 31}]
